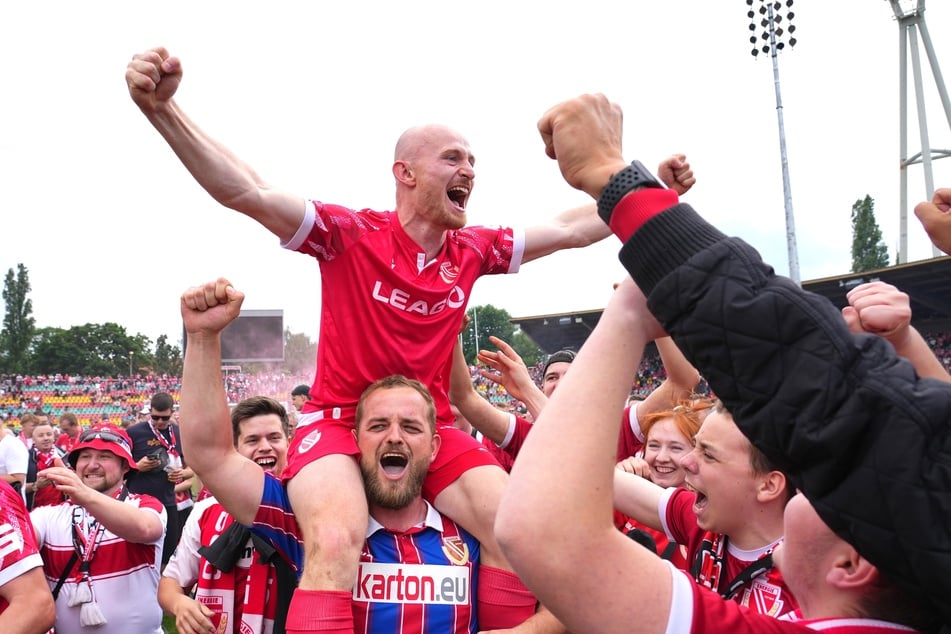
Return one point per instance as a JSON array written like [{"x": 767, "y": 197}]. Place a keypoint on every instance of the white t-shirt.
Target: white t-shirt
[
  {"x": 14, "y": 458},
  {"x": 124, "y": 575}
]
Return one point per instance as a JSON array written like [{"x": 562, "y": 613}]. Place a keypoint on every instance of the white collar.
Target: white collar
[{"x": 433, "y": 520}]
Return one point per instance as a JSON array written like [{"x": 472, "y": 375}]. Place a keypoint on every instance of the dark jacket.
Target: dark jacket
[{"x": 866, "y": 440}]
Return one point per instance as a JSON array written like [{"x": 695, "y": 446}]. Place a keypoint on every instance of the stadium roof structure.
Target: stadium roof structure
[{"x": 927, "y": 282}]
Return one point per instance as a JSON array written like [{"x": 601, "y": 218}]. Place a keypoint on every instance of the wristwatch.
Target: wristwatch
[{"x": 632, "y": 178}]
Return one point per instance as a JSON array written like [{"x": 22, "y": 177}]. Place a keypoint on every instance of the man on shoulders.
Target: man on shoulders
[
  {"x": 396, "y": 405},
  {"x": 409, "y": 272}
]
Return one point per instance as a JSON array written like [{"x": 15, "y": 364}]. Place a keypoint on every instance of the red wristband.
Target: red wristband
[{"x": 638, "y": 207}]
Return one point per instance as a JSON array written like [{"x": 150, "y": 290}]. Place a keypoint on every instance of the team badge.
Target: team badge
[
  {"x": 448, "y": 272},
  {"x": 456, "y": 550},
  {"x": 309, "y": 441},
  {"x": 764, "y": 598}
]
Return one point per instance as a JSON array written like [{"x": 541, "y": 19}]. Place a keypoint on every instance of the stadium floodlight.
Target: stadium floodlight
[
  {"x": 768, "y": 37},
  {"x": 910, "y": 15}
]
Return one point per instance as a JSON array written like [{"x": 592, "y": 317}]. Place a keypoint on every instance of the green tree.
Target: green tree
[
  {"x": 299, "y": 353},
  {"x": 18, "y": 322},
  {"x": 91, "y": 349},
  {"x": 485, "y": 321},
  {"x": 526, "y": 348},
  {"x": 868, "y": 249},
  {"x": 167, "y": 359}
]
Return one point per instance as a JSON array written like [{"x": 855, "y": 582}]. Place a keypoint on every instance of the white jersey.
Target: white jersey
[{"x": 124, "y": 575}]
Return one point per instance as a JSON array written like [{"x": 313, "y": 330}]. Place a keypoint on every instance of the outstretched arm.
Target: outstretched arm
[
  {"x": 581, "y": 226},
  {"x": 206, "y": 422},
  {"x": 881, "y": 309},
  {"x": 935, "y": 217},
  {"x": 133, "y": 524},
  {"x": 153, "y": 78}
]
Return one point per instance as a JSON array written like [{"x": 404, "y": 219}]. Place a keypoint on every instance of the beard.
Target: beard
[{"x": 391, "y": 494}]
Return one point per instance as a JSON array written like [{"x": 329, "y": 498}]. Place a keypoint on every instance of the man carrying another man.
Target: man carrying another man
[{"x": 397, "y": 437}]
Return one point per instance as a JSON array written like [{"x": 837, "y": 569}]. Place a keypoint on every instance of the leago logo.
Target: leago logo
[
  {"x": 402, "y": 300},
  {"x": 412, "y": 583}
]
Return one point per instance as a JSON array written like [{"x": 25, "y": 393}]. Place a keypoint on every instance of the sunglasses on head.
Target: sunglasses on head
[
  {"x": 158, "y": 417},
  {"x": 106, "y": 435}
]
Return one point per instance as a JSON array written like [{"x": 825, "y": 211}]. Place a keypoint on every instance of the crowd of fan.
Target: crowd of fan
[
  {"x": 94, "y": 399},
  {"x": 650, "y": 375}
]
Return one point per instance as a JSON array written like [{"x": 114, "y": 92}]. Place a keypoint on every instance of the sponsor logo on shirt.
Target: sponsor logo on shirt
[
  {"x": 412, "y": 583},
  {"x": 456, "y": 550},
  {"x": 402, "y": 300}
]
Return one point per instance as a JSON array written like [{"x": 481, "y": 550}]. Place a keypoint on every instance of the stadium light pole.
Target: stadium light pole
[
  {"x": 131, "y": 352},
  {"x": 911, "y": 26},
  {"x": 773, "y": 36}
]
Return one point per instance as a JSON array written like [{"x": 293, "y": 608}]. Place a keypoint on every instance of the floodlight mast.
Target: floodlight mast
[
  {"x": 911, "y": 21},
  {"x": 773, "y": 34}
]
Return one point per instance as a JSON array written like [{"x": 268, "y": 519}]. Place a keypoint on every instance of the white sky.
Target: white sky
[{"x": 314, "y": 94}]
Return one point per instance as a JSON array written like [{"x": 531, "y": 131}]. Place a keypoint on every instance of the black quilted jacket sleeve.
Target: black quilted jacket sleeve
[{"x": 867, "y": 441}]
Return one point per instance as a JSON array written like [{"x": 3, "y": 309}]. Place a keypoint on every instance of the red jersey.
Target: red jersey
[
  {"x": 18, "y": 550},
  {"x": 385, "y": 309},
  {"x": 630, "y": 438},
  {"x": 630, "y": 441},
  {"x": 66, "y": 443},
  {"x": 721, "y": 564},
  {"x": 243, "y": 599},
  {"x": 697, "y": 610}
]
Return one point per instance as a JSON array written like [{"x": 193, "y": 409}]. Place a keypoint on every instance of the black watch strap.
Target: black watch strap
[{"x": 633, "y": 177}]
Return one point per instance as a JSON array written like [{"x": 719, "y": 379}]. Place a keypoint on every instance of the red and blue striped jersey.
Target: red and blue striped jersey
[{"x": 421, "y": 581}]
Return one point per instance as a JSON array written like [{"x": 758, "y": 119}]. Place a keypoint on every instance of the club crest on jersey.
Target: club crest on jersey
[
  {"x": 448, "y": 272},
  {"x": 309, "y": 441},
  {"x": 456, "y": 550},
  {"x": 763, "y": 598}
]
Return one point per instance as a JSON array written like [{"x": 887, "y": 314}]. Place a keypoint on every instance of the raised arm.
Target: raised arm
[
  {"x": 581, "y": 226},
  {"x": 206, "y": 421},
  {"x": 545, "y": 488},
  {"x": 512, "y": 373},
  {"x": 681, "y": 380},
  {"x": 153, "y": 78},
  {"x": 572, "y": 229},
  {"x": 881, "y": 309},
  {"x": 491, "y": 421},
  {"x": 935, "y": 217}
]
